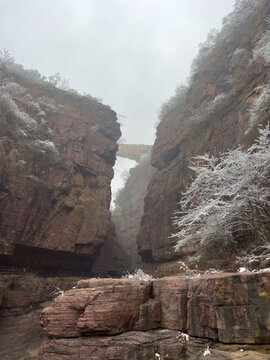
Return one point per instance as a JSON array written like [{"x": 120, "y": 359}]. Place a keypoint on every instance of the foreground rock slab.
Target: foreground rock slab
[
  {"x": 225, "y": 307},
  {"x": 169, "y": 318},
  {"x": 102, "y": 306},
  {"x": 136, "y": 345}
]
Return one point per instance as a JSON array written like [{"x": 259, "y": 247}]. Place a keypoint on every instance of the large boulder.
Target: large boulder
[{"x": 102, "y": 306}]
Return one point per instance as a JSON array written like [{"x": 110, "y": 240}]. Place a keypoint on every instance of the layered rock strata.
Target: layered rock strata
[
  {"x": 102, "y": 306},
  {"x": 158, "y": 344},
  {"x": 228, "y": 308}
]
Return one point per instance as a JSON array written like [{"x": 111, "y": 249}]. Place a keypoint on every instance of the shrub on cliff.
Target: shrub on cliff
[
  {"x": 9, "y": 68},
  {"x": 178, "y": 99},
  {"x": 58, "y": 81},
  {"x": 262, "y": 47},
  {"x": 260, "y": 109},
  {"x": 234, "y": 24},
  {"x": 230, "y": 196}
]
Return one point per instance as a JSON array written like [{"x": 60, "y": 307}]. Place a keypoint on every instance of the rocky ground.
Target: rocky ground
[{"x": 169, "y": 318}]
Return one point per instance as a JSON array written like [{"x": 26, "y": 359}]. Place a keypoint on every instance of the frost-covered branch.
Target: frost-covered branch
[
  {"x": 230, "y": 196},
  {"x": 260, "y": 105},
  {"x": 262, "y": 47}
]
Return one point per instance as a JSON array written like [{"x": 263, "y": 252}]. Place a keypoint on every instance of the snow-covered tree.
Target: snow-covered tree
[
  {"x": 259, "y": 110},
  {"x": 205, "y": 49},
  {"x": 6, "y": 60},
  {"x": 233, "y": 25},
  {"x": 59, "y": 82},
  {"x": 229, "y": 197},
  {"x": 262, "y": 46},
  {"x": 8, "y": 67}
]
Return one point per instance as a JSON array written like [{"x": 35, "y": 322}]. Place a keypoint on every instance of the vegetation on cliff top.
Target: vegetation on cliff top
[
  {"x": 9, "y": 68},
  {"x": 235, "y": 25}
]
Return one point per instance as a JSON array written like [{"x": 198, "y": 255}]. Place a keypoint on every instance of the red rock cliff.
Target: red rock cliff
[
  {"x": 213, "y": 115},
  {"x": 57, "y": 151}
]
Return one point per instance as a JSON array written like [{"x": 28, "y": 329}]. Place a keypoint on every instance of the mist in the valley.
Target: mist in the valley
[{"x": 131, "y": 53}]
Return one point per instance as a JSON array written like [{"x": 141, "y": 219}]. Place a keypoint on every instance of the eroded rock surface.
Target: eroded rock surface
[
  {"x": 102, "y": 306},
  {"x": 151, "y": 345},
  {"x": 230, "y": 308},
  {"x": 227, "y": 308}
]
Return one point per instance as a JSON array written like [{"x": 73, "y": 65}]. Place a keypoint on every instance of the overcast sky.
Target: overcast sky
[{"x": 131, "y": 53}]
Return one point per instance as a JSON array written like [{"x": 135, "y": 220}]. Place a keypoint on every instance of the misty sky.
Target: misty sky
[{"x": 131, "y": 53}]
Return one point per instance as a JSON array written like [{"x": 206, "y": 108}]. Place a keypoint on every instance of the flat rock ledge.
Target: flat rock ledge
[{"x": 134, "y": 319}]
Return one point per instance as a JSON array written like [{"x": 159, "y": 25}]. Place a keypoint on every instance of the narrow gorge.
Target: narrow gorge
[{"x": 80, "y": 279}]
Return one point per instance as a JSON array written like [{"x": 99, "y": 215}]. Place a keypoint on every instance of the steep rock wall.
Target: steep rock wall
[
  {"x": 214, "y": 117},
  {"x": 57, "y": 151},
  {"x": 119, "y": 252}
]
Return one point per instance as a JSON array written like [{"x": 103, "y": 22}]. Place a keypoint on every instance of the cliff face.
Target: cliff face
[
  {"x": 129, "y": 206},
  {"x": 57, "y": 151},
  {"x": 218, "y": 111}
]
